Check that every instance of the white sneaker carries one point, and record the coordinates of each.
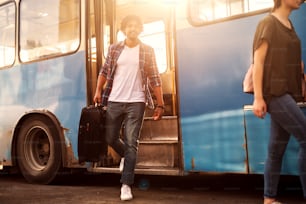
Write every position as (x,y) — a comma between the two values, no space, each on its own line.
(121,164)
(126,193)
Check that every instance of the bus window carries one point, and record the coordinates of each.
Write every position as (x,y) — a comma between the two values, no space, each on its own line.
(7,34)
(106,39)
(154,34)
(48,28)
(207,11)
(259,4)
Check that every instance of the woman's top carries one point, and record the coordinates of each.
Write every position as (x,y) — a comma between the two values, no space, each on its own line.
(282,68)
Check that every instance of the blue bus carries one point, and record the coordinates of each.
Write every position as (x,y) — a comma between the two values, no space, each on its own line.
(50,55)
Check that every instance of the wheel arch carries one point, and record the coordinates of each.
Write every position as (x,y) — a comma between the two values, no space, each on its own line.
(53,119)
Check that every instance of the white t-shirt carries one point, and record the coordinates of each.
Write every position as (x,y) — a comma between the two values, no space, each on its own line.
(127,84)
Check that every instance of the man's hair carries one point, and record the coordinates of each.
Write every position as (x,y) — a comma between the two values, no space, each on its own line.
(129,18)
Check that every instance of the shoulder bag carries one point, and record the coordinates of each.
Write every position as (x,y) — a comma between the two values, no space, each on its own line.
(248,81)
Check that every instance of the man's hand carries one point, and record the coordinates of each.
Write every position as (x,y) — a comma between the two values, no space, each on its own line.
(158,113)
(97,98)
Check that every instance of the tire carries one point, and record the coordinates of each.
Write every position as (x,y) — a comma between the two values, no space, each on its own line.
(39,150)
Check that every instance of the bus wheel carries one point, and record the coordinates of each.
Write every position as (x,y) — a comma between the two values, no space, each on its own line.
(39,150)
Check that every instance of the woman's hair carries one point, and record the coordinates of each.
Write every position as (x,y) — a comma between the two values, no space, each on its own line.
(129,18)
(277,4)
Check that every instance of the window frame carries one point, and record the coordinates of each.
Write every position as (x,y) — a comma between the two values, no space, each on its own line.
(55,54)
(14,34)
(195,23)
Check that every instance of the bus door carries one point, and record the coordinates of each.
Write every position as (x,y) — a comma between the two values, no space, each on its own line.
(159,146)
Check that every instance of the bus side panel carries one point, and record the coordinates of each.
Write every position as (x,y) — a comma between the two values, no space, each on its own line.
(214,142)
(57,85)
(298,19)
(257,132)
(9,113)
(72,98)
(212,61)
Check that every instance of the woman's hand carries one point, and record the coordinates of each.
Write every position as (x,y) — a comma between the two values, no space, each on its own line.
(259,108)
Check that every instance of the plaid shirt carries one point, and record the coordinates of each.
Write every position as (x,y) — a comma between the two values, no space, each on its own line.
(147,65)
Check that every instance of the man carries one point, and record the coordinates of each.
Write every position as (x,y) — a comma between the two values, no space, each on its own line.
(129,66)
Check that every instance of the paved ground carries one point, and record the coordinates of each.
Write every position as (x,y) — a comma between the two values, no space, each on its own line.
(104,189)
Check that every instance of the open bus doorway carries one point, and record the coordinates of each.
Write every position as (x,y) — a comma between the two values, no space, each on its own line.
(159,142)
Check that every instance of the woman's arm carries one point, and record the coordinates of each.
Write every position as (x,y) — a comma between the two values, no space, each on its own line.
(259,105)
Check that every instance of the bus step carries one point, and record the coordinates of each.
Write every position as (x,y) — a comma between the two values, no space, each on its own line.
(144,171)
(164,129)
(157,153)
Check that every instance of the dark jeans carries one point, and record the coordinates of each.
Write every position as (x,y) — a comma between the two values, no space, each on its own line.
(131,115)
(286,119)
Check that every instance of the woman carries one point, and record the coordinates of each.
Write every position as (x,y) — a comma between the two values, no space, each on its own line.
(277,89)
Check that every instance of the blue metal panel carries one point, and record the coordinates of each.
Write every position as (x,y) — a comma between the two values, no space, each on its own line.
(258,131)
(211,66)
(298,18)
(212,61)
(57,85)
(214,142)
